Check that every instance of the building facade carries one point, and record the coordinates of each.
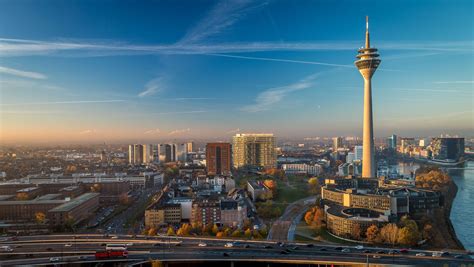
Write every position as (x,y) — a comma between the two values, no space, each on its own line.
(218,158)
(257,150)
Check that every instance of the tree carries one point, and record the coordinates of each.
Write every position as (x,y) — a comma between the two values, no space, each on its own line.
(271,184)
(372,233)
(409,235)
(170,231)
(236,233)
(356,233)
(389,233)
(318,218)
(151,231)
(314,187)
(220,234)
(308,217)
(96,188)
(248,233)
(427,232)
(40,217)
(215,229)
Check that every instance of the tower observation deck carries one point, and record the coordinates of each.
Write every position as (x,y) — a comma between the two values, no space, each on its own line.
(367,64)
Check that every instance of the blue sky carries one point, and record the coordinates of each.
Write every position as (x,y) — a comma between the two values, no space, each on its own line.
(159,70)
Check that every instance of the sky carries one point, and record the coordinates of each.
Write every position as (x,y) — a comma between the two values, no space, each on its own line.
(138,71)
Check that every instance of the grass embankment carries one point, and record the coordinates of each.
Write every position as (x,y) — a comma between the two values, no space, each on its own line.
(307,234)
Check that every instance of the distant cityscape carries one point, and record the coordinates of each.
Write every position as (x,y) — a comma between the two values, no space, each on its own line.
(249,198)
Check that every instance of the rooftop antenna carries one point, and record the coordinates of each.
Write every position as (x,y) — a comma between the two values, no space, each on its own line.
(367,39)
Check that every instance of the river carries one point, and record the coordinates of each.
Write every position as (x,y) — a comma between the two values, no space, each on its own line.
(462,211)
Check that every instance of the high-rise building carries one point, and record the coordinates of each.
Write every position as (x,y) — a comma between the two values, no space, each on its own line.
(135,154)
(367,64)
(166,153)
(449,149)
(190,147)
(182,152)
(392,142)
(350,157)
(147,153)
(336,143)
(358,152)
(218,158)
(254,150)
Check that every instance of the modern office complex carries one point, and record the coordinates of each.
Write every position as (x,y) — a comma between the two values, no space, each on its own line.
(218,158)
(449,149)
(256,150)
(367,64)
(336,143)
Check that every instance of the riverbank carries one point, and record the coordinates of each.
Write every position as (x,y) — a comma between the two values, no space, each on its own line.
(444,233)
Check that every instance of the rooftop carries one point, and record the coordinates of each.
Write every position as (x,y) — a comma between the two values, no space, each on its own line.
(75,202)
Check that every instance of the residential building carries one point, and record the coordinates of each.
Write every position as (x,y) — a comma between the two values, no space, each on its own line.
(257,150)
(303,168)
(336,143)
(206,211)
(218,158)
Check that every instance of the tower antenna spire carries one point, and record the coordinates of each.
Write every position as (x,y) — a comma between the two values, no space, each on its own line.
(367,38)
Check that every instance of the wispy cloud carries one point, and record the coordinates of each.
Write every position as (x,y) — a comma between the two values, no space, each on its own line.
(266,99)
(180,131)
(180,112)
(284,60)
(153,131)
(63,102)
(233,131)
(454,82)
(22,73)
(152,87)
(28,112)
(15,47)
(222,16)
(88,131)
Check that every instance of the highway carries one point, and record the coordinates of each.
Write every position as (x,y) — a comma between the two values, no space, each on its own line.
(38,250)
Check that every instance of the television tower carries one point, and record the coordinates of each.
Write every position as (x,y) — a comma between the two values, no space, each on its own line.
(367,64)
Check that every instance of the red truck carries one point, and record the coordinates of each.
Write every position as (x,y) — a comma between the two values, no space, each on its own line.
(111,254)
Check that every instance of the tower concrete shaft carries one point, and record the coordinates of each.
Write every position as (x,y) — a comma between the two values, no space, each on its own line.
(367,64)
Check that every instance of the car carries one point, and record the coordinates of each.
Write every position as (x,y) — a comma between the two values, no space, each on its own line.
(177,244)
(202,244)
(18,246)
(157,244)
(54,259)
(68,245)
(129,244)
(366,251)
(82,257)
(380,252)
(225,254)
(376,257)
(309,245)
(392,252)
(284,252)
(338,248)
(459,256)
(323,249)
(420,254)
(403,250)
(267,246)
(445,253)
(246,246)
(359,247)
(295,248)
(49,249)
(114,237)
(228,245)
(346,250)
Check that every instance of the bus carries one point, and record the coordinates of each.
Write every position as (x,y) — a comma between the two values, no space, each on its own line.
(116,247)
(99,255)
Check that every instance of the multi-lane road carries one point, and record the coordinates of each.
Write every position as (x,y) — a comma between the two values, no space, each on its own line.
(39,250)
